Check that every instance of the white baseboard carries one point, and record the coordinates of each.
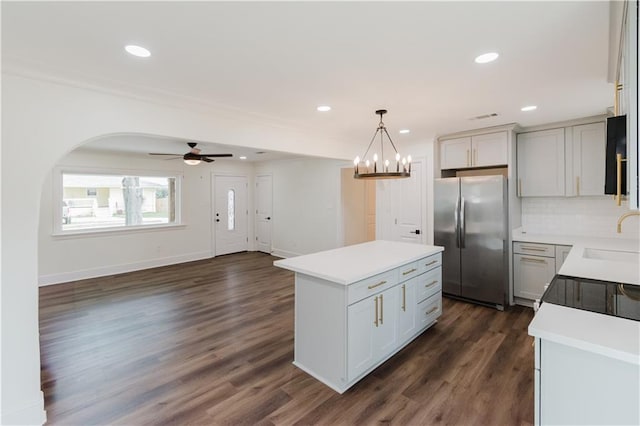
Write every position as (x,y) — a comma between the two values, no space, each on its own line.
(64,277)
(28,413)
(284,253)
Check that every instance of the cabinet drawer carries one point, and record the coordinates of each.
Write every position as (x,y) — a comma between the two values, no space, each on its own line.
(429,310)
(408,271)
(429,263)
(429,284)
(536,249)
(361,289)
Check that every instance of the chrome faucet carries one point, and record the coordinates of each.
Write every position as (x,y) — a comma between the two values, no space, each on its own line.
(624,216)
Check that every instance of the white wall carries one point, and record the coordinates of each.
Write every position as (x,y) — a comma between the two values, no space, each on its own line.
(42,121)
(72,257)
(306,204)
(589,216)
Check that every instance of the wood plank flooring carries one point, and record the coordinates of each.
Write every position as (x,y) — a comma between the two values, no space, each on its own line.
(211,342)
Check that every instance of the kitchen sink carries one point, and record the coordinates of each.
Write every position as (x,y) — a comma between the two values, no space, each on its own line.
(612,255)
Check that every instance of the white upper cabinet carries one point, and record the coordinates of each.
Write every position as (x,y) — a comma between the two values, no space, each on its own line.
(586,165)
(489,149)
(455,153)
(541,163)
(474,151)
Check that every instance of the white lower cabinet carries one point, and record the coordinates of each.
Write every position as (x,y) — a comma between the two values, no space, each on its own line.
(342,332)
(575,386)
(534,266)
(372,330)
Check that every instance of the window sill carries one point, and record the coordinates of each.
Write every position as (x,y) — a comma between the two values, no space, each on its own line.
(116,231)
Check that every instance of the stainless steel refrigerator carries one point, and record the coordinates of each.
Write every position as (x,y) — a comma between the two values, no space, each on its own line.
(471,222)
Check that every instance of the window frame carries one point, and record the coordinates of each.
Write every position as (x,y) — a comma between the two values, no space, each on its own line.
(58,192)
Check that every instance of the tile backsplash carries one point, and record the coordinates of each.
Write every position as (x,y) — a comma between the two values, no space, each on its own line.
(588,216)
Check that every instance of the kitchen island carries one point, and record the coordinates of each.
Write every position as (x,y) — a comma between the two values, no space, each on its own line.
(587,364)
(357,306)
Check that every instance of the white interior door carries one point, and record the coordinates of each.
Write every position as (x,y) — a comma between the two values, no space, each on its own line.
(230,214)
(399,211)
(264,207)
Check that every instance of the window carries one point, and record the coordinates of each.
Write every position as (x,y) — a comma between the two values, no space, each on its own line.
(105,201)
(231,210)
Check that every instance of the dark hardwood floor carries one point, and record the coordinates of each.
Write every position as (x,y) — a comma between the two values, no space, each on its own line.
(211,342)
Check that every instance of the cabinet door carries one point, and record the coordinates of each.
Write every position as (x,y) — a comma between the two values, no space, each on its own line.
(372,330)
(588,160)
(362,318)
(489,149)
(406,309)
(531,274)
(561,254)
(455,153)
(540,158)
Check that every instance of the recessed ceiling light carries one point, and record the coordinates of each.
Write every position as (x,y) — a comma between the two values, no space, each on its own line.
(242,157)
(486,57)
(137,51)
(324,108)
(404,131)
(529,108)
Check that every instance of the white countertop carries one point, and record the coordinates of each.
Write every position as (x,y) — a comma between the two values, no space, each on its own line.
(349,264)
(578,265)
(606,335)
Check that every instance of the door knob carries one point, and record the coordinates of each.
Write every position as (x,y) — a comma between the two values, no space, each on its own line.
(417,232)
(268,217)
(217,220)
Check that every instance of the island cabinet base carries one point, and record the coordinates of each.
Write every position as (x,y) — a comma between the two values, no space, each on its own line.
(343,332)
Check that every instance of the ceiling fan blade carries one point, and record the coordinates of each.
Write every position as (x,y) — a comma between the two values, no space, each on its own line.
(216,155)
(207,160)
(177,157)
(157,153)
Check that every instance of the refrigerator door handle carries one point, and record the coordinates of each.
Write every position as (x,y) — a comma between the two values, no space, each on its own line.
(462,226)
(456,219)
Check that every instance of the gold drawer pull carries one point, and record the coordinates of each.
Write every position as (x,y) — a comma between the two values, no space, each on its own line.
(409,271)
(431,263)
(530,259)
(532,248)
(377,285)
(431,284)
(432,310)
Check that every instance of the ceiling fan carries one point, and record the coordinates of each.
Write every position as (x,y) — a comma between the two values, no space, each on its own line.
(194,157)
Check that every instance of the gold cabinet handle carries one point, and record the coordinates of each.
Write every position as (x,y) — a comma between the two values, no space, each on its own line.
(578,186)
(432,310)
(519,187)
(377,285)
(404,298)
(619,161)
(409,271)
(375,321)
(532,248)
(431,284)
(431,263)
(531,259)
(474,162)
(468,158)
(381,310)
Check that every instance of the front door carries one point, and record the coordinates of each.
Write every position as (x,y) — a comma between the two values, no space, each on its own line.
(230,214)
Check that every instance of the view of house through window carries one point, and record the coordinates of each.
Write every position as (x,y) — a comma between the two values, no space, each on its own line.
(107,201)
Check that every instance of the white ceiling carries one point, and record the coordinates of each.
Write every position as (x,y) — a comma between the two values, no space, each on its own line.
(278,61)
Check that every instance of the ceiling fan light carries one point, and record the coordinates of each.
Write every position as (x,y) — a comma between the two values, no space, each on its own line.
(191,162)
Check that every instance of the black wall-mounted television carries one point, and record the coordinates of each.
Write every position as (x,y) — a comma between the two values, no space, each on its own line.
(616,144)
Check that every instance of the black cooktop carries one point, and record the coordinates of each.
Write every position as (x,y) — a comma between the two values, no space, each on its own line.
(604,297)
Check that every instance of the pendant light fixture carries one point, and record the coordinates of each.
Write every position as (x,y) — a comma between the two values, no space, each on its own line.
(391,167)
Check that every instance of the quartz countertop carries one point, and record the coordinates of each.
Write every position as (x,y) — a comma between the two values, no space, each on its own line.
(347,265)
(606,335)
(578,264)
